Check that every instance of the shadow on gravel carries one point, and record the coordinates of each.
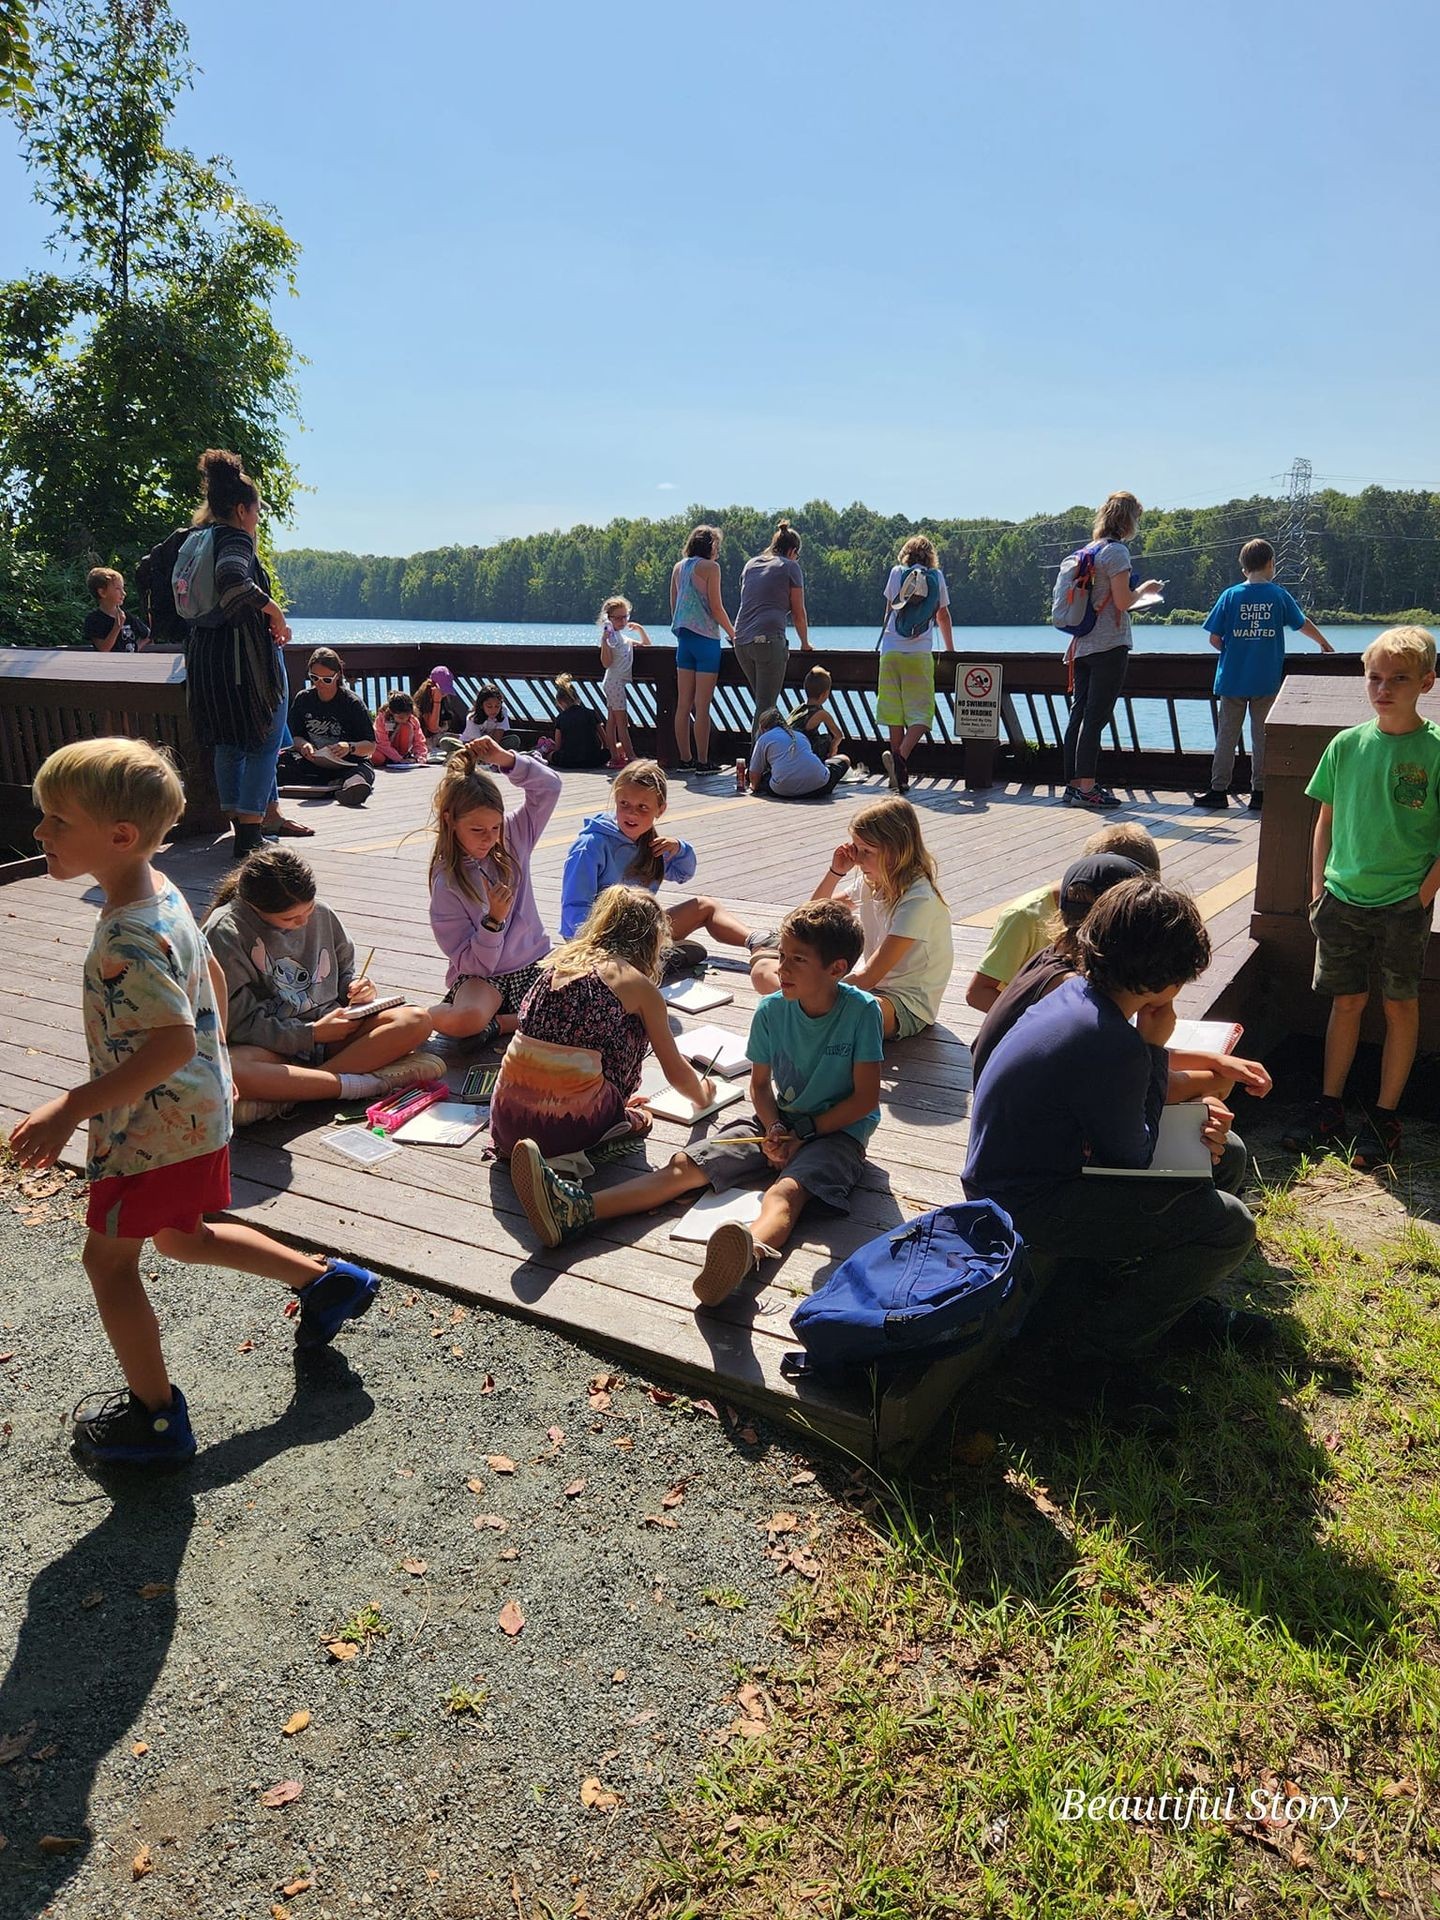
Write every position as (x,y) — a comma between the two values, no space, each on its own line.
(92,1645)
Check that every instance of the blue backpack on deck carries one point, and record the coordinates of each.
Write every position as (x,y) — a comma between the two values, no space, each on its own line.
(928,1290)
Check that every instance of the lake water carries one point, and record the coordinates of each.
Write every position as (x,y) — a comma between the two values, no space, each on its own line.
(452,635)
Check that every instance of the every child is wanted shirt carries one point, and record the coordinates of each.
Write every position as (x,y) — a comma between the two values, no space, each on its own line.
(1385,792)
(812,1057)
(147,968)
(1249,620)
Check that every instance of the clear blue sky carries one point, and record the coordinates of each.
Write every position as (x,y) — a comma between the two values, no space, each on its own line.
(572,261)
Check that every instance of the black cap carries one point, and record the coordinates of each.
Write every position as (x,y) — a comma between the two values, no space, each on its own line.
(1087,879)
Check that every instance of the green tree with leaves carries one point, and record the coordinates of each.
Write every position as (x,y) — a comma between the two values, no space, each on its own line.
(157,339)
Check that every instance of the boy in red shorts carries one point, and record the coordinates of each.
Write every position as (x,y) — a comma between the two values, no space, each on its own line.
(158,1100)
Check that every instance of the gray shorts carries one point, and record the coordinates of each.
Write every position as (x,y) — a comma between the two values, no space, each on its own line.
(1351,943)
(827,1167)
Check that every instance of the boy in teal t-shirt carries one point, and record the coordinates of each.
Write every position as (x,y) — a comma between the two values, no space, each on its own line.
(815,1050)
(1374,876)
(1247,625)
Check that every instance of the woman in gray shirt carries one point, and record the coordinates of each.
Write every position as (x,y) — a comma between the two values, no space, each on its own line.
(1101,656)
(772,595)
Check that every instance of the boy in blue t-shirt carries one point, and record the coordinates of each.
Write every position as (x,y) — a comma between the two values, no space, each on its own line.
(1247,624)
(815,1050)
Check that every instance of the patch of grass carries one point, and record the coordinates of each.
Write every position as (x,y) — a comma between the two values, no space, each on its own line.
(466,1700)
(363,1627)
(726,1598)
(1253,1606)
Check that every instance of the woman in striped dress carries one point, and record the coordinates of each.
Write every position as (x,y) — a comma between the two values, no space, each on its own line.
(234,670)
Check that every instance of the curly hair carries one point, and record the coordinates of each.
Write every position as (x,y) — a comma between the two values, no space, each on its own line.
(1142,937)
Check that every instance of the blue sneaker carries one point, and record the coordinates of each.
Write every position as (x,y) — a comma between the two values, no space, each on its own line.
(119,1431)
(342,1292)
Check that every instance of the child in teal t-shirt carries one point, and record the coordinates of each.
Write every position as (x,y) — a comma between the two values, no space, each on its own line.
(1375,870)
(1247,625)
(815,1050)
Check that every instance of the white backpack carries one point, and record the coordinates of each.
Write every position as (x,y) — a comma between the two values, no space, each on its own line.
(193,580)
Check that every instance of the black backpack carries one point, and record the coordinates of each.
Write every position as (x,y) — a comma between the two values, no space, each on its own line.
(157,596)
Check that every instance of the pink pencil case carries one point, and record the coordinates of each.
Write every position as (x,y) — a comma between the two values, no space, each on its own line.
(393,1111)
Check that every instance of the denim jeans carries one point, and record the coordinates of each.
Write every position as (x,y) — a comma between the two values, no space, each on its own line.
(1167,1243)
(245,776)
(1098,680)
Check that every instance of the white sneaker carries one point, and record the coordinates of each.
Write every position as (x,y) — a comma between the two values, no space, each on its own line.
(249,1113)
(413,1071)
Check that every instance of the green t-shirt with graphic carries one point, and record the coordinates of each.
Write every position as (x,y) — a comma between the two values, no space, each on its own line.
(1385,790)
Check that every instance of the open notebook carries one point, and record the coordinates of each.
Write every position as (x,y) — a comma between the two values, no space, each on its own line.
(713,1209)
(667,1104)
(1180,1153)
(1205,1036)
(694,996)
(711,1050)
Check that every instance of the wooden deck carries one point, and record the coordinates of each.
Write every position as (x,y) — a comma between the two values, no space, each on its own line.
(447,1219)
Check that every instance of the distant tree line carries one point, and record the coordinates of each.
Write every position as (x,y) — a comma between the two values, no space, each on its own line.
(1375,553)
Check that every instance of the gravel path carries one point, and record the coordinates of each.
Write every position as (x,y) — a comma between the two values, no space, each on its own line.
(159,1633)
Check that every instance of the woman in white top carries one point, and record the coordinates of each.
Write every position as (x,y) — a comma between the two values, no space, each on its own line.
(905,688)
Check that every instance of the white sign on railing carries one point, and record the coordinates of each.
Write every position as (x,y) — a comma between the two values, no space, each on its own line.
(977,700)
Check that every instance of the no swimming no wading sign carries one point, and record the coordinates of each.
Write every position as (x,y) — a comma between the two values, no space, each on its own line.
(977,700)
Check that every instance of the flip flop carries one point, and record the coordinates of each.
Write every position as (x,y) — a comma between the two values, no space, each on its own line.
(290,829)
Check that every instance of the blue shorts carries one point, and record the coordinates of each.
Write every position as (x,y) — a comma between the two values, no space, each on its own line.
(696,652)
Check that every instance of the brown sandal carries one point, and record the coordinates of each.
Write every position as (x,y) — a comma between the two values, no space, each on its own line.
(288,829)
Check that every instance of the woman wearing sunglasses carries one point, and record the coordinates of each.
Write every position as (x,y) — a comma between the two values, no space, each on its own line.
(333,734)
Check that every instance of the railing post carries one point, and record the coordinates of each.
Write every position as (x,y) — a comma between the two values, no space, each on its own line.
(667,698)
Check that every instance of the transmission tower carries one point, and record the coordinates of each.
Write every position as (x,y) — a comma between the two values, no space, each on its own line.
(1292,545)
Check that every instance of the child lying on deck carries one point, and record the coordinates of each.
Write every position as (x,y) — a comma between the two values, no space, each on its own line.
(816,1048)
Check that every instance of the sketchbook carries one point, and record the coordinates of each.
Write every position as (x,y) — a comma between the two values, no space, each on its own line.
(364,1011)
(693,996)
(713,1210)
(1180,1152)
(713,1050)
(449,1123)
(666,1104)
(1205,1036)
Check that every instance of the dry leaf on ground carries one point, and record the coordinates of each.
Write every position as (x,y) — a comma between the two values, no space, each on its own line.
(675,1497)
(594,1794)
(153,1589)
(12,1745)
(341,1649)
(141,1864)
(297,1723)
(499,1463)
(575,1486)
(281,1794)
(511,1620)
(779,1523)
(492,1521)
(475,1486)
(140,1748)
(417,1567)
(660,1520)
(59,1842)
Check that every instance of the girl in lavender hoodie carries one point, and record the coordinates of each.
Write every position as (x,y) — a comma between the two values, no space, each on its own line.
(482,907)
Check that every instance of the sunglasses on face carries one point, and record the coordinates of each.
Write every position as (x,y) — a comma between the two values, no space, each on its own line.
(324,679)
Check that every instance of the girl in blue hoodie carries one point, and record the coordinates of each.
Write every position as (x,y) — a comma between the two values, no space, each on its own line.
(623,849)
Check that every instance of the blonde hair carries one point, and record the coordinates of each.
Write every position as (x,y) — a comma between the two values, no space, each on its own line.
(1118,517)
(918,551)
(647,869)
(1415,644)
(893,826)
(98,578)
(623,924)
(608,607)
(114,781)
(464,789)
(565,694)
(1129,838)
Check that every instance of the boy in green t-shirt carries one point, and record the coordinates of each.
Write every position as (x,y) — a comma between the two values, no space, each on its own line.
(1374,877)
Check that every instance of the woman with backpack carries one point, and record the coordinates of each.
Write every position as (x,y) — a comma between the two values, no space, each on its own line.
(917,601)
(234,671)
(1099,657)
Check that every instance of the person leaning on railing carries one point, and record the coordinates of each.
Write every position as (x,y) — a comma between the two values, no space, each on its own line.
(772,596)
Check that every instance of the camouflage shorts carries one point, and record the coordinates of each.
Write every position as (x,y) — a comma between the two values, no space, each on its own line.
(1352,943)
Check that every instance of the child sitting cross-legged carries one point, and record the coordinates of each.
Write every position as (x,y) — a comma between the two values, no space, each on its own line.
(290,971)
(157,1097)
(816,1048)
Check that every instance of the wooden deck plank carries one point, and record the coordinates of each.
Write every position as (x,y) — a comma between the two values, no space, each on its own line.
(450,1220)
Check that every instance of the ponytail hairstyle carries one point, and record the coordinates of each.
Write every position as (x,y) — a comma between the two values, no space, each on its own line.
(1118,518)
(623,924)
(565,694)
(465,789)
(423,692)
(271,880)
(785,541)
(617,603)
(400,705)
(224,486)
(703,543)
(487,691)
(328,658)
(647,869)
(771,717)
(894,827)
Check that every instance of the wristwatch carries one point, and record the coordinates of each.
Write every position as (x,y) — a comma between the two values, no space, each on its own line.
(803,1125)
(492,925)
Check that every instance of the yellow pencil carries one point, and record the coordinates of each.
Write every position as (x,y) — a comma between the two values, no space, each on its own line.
(366,968)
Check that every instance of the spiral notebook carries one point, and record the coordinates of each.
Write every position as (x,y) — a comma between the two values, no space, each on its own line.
(1180,1152)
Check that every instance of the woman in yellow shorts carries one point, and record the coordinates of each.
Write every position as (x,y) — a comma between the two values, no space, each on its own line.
(905,696)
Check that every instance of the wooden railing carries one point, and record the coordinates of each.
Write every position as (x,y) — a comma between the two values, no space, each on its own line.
(1161,736)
